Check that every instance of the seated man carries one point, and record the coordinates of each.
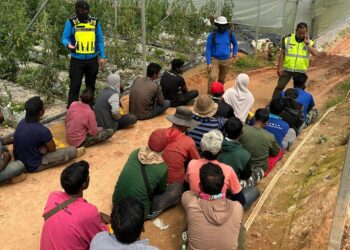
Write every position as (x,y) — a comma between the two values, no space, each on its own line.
(70,221)
(81,126)
(181,148)
(224,110)
(293,111)
(146,99)
(305,98)
(236,156)
(9,170)
(285,136)
(127,223)
(261,144)
(211,147)
(174,86)
(33,143)
(214,222)
(204,110)
(144,176)
(107,106)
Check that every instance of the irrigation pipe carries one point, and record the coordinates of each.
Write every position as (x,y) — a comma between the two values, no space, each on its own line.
(268,189)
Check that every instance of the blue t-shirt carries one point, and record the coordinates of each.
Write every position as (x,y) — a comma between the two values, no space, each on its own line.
(306,100)
(28,138)
(277,127)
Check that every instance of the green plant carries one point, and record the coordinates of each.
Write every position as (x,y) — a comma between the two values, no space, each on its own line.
(341,92)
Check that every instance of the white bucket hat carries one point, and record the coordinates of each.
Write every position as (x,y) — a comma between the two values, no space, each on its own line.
(221,20)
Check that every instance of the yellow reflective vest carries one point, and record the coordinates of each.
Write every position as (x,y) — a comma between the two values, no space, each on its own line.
(296,55)
(85,36)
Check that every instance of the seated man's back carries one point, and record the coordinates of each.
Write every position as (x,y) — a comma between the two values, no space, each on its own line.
(214,222)
(259,143)
(72,227)
(28,138)
(142,98)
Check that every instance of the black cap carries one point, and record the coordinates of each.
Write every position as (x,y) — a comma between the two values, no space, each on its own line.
(82,5)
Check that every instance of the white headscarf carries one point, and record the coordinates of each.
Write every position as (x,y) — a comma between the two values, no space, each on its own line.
(113,81)
(239,97)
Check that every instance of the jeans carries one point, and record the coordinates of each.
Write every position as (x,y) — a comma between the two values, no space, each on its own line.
(183,99)
(126,121)
(13,168)
(169,198)
(77,69)
(53,159)
(160,109)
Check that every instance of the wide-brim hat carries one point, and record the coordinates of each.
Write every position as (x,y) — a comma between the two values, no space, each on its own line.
(204,106)
(221,20)
(182,117)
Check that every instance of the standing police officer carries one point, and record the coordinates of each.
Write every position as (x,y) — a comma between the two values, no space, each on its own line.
(83,36)
(294,57)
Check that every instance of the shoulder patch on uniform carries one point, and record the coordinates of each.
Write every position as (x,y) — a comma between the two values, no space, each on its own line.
(73,17)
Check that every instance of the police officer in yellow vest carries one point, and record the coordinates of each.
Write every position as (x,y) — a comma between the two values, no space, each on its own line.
(83,36)
(294,57)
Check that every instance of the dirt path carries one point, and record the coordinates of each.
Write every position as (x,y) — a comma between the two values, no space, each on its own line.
(21,205)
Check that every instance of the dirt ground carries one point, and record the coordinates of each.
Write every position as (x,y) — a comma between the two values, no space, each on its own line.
(291,219)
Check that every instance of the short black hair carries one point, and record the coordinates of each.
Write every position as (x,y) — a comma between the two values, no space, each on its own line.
(176,64)
(233,127)
(212,178)
(82,5)
(291,93)
(301,25)
(299,80)
(87,96)
(276,106)
(262,115)
(209,155)
(127,219)
(152,69)
(74,176)
(33,106)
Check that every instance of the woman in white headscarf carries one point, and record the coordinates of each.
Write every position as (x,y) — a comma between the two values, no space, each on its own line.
(239,97)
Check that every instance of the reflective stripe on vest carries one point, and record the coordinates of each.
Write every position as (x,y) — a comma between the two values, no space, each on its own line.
(85,36)
(297,55)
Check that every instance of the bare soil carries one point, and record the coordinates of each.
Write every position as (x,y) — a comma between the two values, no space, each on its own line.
(297,214)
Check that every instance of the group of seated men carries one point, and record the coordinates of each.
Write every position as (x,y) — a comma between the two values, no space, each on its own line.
(211,159)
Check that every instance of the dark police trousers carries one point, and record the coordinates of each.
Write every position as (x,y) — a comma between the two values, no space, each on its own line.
(77,69)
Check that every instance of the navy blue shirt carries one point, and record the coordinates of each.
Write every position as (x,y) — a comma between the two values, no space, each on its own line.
(28,138)
(277,127)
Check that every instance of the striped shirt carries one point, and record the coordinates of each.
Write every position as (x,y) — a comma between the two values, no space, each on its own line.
(206,124)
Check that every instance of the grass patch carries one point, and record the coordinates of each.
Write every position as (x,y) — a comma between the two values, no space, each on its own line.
(341,91)
(246,63)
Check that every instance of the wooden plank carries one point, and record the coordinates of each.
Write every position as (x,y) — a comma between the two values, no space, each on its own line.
(341,207)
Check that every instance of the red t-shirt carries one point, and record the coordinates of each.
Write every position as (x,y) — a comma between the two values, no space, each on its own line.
(72,227)
(192,176)
(179,149)
(80,121)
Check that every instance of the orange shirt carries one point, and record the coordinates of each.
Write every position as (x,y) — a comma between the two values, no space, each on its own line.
(192,176)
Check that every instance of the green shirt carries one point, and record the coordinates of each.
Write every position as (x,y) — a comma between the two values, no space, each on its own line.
(131,183)
(234,155)
(260,144)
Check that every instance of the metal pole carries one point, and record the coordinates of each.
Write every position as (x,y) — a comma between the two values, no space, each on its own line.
(218,8)
(37,15)
(116,14)
(257,30)
(143,18)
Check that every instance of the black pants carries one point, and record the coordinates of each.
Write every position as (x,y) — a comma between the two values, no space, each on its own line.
(184,98)
(77,69)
